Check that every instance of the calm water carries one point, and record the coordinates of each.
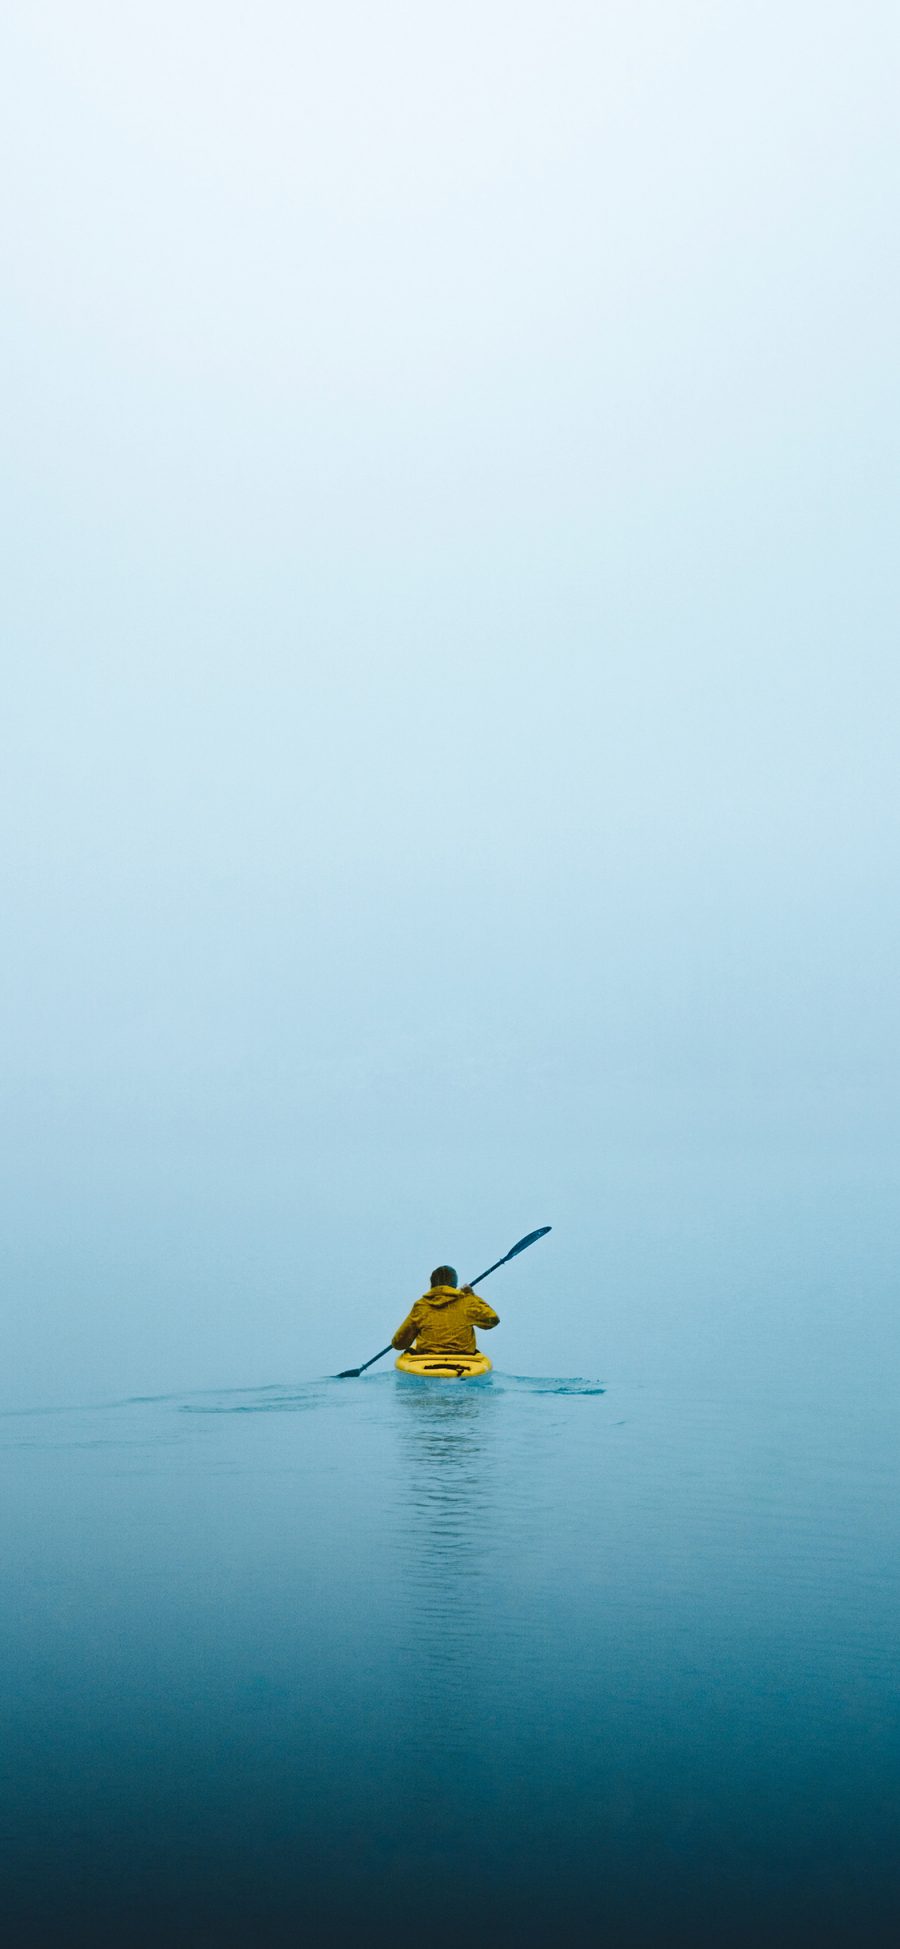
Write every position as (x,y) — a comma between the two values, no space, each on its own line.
(520,1662)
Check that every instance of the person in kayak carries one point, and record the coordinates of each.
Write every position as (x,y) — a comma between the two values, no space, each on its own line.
(444,1319)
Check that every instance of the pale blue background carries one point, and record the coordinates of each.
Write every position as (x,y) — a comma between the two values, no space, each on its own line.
(449,729)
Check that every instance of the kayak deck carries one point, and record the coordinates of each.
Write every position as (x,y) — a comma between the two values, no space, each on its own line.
(444,1366)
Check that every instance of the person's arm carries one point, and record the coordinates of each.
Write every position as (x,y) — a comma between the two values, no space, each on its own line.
(406,1333)
(480,1313)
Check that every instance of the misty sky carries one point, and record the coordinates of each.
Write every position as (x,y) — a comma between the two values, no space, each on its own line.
(449,737)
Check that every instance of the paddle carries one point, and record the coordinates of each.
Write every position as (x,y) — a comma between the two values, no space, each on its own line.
(353,1373)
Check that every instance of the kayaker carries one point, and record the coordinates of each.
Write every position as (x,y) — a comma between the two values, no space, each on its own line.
(443,1320)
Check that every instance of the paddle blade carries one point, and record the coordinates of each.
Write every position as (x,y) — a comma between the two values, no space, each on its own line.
(353,1373)
(541,1232)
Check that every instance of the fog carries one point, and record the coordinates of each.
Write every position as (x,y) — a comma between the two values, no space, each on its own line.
(450,703)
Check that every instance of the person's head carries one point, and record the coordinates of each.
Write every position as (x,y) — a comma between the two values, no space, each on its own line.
(444,1275)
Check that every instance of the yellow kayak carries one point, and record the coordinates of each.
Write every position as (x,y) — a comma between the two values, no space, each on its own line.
(444,1366)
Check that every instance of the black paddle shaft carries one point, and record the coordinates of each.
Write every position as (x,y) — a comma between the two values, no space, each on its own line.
(353,1373)
(523,1243)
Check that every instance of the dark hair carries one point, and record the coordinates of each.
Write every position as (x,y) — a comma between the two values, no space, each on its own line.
(444,1275)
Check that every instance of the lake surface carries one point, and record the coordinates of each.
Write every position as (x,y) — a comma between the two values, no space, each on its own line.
(515,1662)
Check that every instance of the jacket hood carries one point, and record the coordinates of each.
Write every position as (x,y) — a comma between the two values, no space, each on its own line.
(441,1295)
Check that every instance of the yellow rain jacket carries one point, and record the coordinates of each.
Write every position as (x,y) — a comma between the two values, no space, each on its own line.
(442,1321)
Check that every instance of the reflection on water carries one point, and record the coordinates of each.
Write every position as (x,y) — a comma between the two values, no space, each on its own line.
(447,1462)
(517,1660)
